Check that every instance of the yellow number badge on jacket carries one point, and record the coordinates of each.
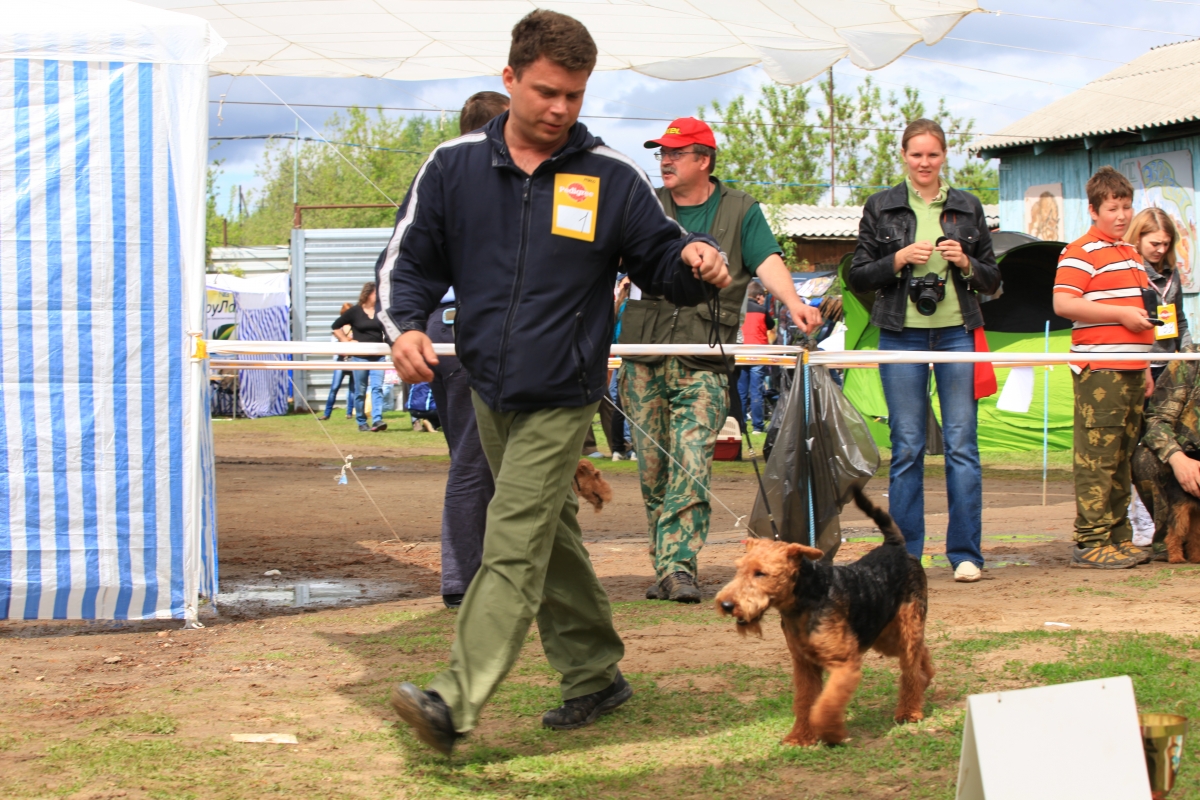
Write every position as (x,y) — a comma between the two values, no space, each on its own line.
(576,199)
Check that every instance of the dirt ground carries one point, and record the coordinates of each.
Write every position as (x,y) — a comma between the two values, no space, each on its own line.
(280,508)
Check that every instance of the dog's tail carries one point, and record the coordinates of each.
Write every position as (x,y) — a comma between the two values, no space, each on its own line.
(891,533)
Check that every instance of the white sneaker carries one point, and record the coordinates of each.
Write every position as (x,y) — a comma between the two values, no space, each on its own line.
(966,572)
(616,456)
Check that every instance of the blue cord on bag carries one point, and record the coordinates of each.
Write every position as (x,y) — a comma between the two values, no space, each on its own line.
(812,523)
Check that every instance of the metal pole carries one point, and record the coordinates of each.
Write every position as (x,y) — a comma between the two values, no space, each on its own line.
(832,146)
(296,166)
(1045,416)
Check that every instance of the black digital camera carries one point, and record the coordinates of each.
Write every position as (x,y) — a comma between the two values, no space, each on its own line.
(926,293)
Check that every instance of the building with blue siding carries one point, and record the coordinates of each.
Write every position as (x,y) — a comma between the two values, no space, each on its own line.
(1142,118)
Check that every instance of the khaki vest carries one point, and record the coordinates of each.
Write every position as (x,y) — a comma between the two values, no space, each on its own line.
(655,320)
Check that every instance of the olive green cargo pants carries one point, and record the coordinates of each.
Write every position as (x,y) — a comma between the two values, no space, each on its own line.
(534,564)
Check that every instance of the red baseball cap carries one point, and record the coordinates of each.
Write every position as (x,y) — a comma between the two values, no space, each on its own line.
(685,131)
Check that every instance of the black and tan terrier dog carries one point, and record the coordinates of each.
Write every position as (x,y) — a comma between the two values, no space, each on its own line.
(1183,528)
(831,616)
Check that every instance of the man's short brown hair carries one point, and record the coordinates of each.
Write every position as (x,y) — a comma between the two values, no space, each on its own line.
(1107,184)
(547,34)
(479,110)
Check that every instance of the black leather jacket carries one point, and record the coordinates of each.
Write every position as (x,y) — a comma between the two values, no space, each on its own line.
(888,225)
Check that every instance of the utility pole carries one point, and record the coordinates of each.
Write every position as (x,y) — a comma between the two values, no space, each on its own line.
(296,165)
(832,146)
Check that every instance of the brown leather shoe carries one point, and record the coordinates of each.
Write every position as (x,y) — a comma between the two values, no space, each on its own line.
(427,714)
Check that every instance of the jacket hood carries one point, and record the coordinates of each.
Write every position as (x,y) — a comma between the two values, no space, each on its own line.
(579,139)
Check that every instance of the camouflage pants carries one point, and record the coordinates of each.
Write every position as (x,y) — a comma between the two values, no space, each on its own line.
(1150,478)
(681,409)
(1108,423)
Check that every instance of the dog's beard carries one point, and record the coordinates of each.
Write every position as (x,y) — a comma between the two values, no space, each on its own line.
(745,628)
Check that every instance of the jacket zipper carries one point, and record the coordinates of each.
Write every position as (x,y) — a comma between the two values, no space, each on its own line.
(517,285)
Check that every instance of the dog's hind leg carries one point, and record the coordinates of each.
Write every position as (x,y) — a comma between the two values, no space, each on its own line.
(1177,531)
(806,686)
(828,717)
(1191,541)
(916,667)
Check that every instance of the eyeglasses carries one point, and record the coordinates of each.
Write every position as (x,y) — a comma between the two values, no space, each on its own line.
(669,154)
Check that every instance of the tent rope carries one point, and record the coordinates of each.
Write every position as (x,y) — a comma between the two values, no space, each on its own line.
(347,466)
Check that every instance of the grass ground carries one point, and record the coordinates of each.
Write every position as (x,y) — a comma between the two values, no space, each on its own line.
(690,732)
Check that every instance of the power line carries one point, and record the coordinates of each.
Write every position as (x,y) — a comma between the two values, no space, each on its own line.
(601,116)
(294,137)
(1032,50)
(1097,24)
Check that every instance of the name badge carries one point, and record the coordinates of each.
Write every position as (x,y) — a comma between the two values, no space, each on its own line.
(576,200)
(1170,327)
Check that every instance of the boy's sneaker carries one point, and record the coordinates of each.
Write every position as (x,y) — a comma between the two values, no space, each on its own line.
(1140,555)
(580,711)
(1158,552)
(1103,556)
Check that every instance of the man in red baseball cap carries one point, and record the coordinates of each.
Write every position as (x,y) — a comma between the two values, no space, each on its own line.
(682,402)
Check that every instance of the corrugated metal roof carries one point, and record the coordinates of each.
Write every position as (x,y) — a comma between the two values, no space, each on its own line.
(1155,89)
(833,222)
(260,258)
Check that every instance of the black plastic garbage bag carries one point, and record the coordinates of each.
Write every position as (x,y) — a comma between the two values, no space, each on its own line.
(841,451)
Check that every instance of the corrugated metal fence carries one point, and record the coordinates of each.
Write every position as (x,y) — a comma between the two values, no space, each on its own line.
(329,268)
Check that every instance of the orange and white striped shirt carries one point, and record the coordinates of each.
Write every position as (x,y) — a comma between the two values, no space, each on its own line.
(1109,271)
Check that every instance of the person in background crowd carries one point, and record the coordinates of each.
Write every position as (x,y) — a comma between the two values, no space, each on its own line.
(422,407)
(1099,286)
(340,375)
(617,430)
(923,240)
(532,214)
(469,486)
(365,328)
(679,403)
(1154,235)
(755,327)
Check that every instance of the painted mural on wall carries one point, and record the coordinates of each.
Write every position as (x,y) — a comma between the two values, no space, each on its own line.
(1044,212)
(1165,181)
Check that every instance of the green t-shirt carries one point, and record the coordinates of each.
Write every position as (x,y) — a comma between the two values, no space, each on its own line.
(757,240)
(929,228)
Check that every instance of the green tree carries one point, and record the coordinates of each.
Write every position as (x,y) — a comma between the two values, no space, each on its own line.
(779,149)
(770,150)
(386,152)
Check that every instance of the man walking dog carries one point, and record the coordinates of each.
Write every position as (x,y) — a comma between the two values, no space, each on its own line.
(679,403)
(529,219)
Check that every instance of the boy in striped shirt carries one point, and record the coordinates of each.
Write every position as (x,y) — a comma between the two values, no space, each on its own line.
(1099,286)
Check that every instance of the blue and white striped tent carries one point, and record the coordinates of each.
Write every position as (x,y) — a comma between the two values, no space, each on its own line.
(106,466)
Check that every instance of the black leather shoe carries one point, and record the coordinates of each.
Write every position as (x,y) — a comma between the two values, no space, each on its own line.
(652,592)
(427,714)
(680,587)
(452,600)
(579,712)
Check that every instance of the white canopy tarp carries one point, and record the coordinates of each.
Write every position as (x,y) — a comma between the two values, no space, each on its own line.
(793,40)
(106,484)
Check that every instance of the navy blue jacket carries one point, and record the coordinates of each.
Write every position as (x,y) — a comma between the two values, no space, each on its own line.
(535,308)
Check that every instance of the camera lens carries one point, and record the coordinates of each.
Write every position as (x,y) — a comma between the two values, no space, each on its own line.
(926,305)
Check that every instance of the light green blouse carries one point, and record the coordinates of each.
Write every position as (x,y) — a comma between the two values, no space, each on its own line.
(929,228)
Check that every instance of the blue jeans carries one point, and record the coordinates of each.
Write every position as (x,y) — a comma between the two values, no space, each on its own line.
(906,387)
(363,380)
(335,386)
(750,389)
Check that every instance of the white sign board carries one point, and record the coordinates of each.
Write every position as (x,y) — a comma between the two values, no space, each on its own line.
(1074,741)
(1165,181)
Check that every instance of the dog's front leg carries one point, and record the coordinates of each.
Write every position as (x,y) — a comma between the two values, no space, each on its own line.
(806,686)
(828,717)
(1177,530)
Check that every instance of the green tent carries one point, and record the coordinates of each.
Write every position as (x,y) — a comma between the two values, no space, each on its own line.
(1015,321)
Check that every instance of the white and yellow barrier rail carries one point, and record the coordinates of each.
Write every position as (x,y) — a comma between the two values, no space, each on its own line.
(220,353)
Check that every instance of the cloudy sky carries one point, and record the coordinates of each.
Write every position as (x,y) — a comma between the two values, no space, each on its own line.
(994,68)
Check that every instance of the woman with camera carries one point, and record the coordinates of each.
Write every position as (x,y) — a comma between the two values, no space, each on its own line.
(925,251)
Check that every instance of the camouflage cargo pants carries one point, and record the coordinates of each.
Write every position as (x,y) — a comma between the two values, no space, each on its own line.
(1150,478)
(681,409)
(1108,423)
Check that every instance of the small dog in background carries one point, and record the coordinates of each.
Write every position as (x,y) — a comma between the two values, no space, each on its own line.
(590,485)
(831,616)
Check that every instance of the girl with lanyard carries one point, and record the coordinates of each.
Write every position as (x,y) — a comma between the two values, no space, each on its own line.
(925,251)
(1154,235)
